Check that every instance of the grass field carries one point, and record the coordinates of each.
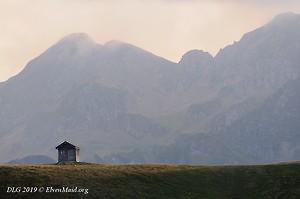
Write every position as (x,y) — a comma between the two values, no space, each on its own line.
(154,181)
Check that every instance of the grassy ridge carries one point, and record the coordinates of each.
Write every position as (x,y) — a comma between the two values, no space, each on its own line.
(156,181)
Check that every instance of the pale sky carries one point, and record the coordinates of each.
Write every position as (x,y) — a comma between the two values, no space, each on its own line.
(168,28)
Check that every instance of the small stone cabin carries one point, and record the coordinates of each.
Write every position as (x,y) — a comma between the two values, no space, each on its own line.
(68,152)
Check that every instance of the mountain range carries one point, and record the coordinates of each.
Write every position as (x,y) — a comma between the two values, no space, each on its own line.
(122,104)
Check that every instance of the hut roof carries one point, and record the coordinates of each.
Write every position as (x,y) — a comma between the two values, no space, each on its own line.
(67,145)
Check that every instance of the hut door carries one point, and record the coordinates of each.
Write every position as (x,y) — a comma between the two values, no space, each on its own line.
(71,155)
(63,155)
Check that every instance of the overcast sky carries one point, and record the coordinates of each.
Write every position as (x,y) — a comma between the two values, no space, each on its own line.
(167,28)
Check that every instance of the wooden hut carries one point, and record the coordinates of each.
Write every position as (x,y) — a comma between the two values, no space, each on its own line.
(68,152)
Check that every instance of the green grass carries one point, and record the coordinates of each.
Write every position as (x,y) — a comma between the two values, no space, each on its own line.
(156,181)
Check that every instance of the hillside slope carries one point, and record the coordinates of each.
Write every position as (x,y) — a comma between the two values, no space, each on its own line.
(156,181)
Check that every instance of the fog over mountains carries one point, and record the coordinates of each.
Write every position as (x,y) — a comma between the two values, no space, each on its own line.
(122,104)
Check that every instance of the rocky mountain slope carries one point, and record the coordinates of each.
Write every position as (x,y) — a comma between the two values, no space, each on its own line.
(119,99)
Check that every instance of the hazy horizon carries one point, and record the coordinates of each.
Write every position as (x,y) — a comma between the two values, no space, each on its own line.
(167,28)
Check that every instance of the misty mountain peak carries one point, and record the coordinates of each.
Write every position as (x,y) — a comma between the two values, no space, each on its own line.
(71,48)
(285,19)
(80,41)
(74,44)
(286,16)
(196,58)
(77,38)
